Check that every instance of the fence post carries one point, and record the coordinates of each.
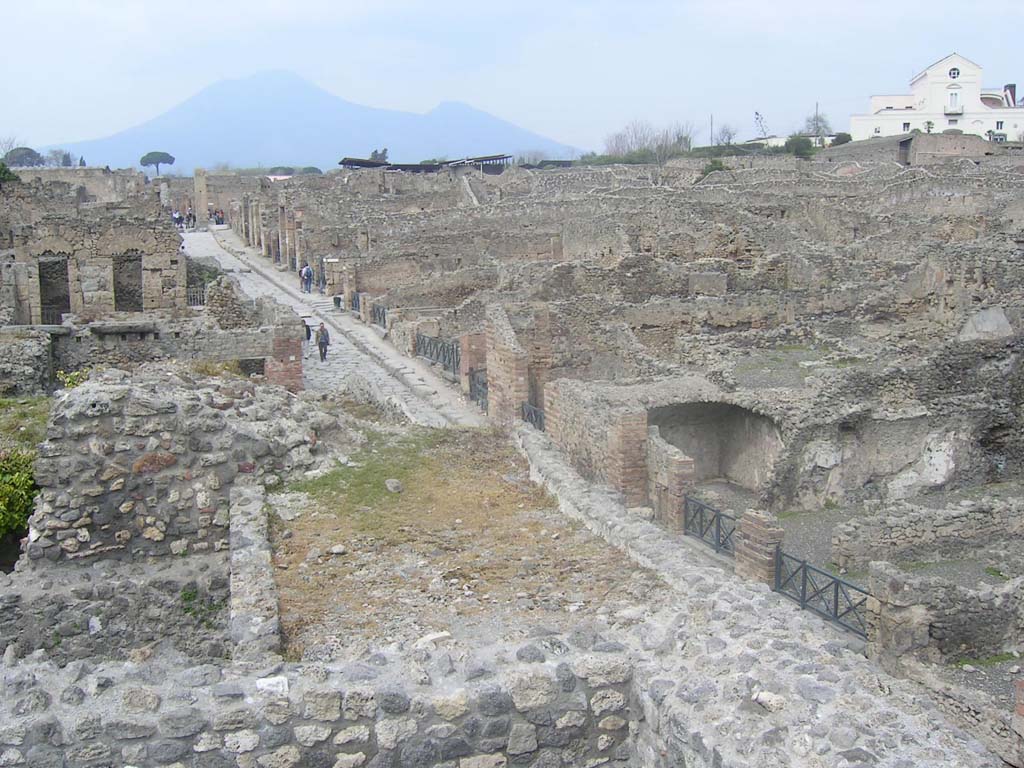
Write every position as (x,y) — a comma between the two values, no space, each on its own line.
(803,583)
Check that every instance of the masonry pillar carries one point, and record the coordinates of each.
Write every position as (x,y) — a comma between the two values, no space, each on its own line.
(473,348)
(508,376)
(758,535)
(669,473)
(627,457)
(284,365)
(202,198)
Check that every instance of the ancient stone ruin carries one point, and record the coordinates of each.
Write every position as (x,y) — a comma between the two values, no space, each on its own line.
(750,494)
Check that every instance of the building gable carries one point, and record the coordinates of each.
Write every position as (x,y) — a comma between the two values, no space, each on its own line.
(942,67)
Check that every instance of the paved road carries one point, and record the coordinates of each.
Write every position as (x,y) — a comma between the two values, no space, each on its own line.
(409,384)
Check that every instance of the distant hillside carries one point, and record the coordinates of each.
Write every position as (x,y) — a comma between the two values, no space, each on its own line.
(276,118)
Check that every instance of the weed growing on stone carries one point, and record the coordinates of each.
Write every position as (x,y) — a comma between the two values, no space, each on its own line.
(23,421)
(203,611)
(226,369)
(995,573)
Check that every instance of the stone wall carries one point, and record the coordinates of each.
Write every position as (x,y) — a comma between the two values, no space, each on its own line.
(938,620)
(907,531)
(558,705)
(99,185)
(26,363)
(84,612)
(153,455)
(69,252)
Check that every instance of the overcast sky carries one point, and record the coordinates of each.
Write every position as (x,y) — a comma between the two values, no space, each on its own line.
(573,70)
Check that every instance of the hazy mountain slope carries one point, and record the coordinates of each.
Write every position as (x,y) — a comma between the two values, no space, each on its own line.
(276,118)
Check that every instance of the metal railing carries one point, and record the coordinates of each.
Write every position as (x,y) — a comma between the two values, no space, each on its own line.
(52,315)
(447,353)
(379,315)
(478,387)
(819,591)
(355,301)
(534,416)
(196,297)
(706,523)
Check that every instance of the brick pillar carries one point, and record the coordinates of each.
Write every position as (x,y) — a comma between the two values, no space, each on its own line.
(669,473)
(202,198)
(553,414)
(473,348)
(627,457)
(284,366)
(757,536)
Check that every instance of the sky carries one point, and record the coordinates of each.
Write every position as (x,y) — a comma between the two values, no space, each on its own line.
(572,70)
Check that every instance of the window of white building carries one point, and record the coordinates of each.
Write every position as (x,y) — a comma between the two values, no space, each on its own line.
(906,127)
(954,73)
(952,122)
(954,99)
(999,125)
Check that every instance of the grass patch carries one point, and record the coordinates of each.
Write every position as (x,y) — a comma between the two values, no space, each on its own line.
(987,661)
(995,573)
(358,492)
(23,421)
(225,368)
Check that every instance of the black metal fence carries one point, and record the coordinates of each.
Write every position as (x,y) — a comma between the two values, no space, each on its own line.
(196,296)
(812,588)
(819,591)
(379,315)
(355,301)
(534,416)
(51,315)
(447,353)
(714,528)
(478,387)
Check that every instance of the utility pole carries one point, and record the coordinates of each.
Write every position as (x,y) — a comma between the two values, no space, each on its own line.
(817,125)
(711,138)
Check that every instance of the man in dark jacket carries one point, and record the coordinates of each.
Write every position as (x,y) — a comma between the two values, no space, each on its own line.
(323,341)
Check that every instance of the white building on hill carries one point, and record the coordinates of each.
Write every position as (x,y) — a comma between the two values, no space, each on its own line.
(947,95)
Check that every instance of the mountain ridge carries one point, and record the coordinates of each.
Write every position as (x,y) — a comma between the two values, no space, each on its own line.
(276,117)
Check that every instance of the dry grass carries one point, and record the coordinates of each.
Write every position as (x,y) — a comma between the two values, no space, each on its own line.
(468,537)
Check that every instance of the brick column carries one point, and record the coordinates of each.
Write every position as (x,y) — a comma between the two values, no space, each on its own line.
(473,348)
(284,366)
(757,536)
(627,457)
(669,473)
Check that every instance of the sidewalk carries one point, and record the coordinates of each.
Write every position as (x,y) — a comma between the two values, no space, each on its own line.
(425,396)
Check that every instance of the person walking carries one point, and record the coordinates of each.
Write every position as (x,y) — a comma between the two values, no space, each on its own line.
(307,335)
(323,341)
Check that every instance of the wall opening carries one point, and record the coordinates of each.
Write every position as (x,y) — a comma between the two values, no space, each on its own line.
(128,282)
(726,442)
(54,287)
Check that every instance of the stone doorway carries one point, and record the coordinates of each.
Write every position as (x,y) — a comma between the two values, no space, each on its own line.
(54,287)
(128,282)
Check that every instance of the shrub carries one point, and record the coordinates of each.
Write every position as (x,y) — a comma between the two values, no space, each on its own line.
(72,379)
(800,146)
(842,138)
(711,167)
(18,490)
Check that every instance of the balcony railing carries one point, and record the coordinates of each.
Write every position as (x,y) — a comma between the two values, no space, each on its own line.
(951,110)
